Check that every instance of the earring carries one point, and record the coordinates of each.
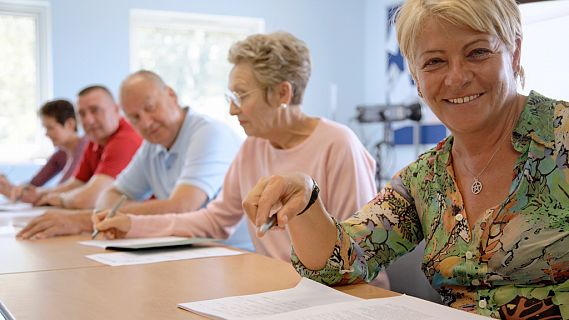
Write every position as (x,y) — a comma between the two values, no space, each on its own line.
(284,105)
(419,92)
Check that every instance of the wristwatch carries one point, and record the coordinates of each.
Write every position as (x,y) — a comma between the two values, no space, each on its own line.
(313,197)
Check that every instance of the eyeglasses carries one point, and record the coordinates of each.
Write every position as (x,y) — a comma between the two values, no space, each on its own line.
(236,98)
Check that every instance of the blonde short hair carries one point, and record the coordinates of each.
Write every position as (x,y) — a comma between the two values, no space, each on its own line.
(500,18)
(276,57)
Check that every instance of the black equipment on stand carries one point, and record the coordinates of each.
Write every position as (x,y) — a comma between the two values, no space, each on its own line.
(386,114)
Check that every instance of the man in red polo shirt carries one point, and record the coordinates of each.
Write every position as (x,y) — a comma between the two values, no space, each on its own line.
(112,144)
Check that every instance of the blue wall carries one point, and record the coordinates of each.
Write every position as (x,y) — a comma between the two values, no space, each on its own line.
(91,42)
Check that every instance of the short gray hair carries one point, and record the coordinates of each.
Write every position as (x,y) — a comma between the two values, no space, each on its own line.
(275,57)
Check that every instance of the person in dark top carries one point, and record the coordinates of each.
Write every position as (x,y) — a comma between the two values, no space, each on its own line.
(60,123)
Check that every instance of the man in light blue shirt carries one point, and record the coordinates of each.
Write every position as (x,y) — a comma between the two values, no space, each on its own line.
(180,165)
(183,159)
(199,157)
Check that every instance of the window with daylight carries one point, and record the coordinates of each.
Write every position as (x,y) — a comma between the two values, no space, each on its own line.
(189,51)
(24,79)
(545,47)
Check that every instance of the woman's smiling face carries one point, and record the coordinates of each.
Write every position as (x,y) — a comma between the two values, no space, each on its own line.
(465,76)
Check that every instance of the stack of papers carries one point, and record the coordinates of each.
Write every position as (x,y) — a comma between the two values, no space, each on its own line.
(152,250)
(144,257)
(145,243)
(307,293)
(310,300)
(395,308)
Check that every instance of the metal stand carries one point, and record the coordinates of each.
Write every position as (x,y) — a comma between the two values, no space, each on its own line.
(387,114)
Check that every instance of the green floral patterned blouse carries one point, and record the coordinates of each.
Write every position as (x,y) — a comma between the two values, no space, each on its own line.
(514,263)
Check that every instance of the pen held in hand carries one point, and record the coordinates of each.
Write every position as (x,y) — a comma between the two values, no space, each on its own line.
(111,214)
(272,220)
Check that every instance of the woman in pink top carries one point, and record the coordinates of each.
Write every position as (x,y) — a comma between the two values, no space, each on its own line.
(267,86)
(58,119)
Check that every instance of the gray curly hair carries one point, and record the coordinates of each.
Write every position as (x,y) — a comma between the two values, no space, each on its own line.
(275,57)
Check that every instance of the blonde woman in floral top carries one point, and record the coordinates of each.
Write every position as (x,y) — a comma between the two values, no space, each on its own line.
(491,201)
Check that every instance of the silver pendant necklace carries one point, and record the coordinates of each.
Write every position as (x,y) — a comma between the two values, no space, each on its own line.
(477,185)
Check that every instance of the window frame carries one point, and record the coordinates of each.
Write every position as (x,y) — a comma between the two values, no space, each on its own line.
(41,12)
(186,20)
(535,14)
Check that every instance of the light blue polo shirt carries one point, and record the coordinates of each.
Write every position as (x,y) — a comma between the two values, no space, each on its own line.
(200,156)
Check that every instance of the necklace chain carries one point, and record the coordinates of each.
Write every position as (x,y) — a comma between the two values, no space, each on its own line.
(477,186)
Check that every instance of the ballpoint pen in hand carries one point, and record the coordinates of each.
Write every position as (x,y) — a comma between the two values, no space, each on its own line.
(111,214)
(272,220)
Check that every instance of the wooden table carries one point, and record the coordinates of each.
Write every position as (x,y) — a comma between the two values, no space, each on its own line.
(39,255)
(149,291)
(44,255)
(52,279)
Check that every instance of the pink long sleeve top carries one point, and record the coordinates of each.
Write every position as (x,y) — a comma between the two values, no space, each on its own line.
(332,155)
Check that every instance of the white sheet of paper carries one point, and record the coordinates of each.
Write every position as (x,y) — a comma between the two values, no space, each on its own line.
(15,206)
(24,213)
(396,308)
(127,242)
(143,257)
(9,231)
(11,222)
(306,293)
